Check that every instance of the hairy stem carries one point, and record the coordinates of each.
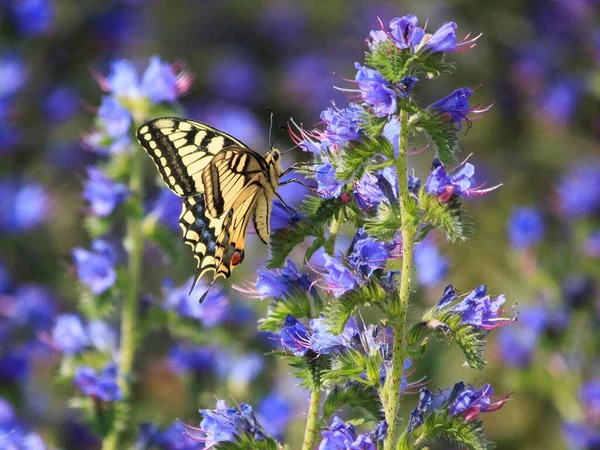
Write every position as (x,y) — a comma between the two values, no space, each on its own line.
(391,392)
(333,232)
(310,433)
(135,246)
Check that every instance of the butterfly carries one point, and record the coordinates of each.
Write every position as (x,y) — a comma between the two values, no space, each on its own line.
(223,182)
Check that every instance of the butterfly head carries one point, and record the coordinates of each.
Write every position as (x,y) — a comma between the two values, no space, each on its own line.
(273,159)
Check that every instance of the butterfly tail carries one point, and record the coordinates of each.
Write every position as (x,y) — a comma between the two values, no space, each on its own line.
(207,291)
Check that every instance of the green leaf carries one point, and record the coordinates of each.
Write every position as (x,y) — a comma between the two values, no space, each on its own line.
(340,309)
(441,134)
(359,398)
(310,368)
(321,212)
(386,223)
(283,241)
(448,217)
(350,164)
(356,366)
(246,441)
(298,303)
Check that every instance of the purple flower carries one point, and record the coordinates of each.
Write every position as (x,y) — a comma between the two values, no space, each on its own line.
(159,82)
(211,312)
(590,398)
(96,268)
(279,282)
(61,104)
(114,117)
(13,74)
(14,365)
(223,423)
(339,279)
(294,336)
(197,360)
(443,40)
(341,436)
(275,412)
(34,17)
(432,266)
(368,255)
(455,107)
(282,217)
(328,186)
(579,191)
(525,228)
(376,91)
(469,402)
(343,125)
(445,186)
(373,189)
(102,193)
(102,386)
(23,206)
(477,308)
(406,32)
(69,334)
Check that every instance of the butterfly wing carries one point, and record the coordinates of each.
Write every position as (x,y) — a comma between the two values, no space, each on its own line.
(262,216)
(182,149)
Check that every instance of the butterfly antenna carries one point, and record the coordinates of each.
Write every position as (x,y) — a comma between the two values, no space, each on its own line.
(271,125)
(283,131)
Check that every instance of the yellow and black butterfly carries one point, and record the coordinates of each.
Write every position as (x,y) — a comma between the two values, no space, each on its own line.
(223,183)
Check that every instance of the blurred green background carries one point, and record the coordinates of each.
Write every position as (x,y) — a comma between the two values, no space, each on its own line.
(537,62)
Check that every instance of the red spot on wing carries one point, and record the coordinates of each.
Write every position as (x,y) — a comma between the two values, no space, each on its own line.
(237,257)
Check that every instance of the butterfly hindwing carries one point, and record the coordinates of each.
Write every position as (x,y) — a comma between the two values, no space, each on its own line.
(181,149)
(262,217)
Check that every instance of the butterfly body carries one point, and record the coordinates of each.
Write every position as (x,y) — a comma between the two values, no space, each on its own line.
(224,183)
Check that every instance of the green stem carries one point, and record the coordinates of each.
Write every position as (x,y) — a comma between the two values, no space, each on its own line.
(333,232)
(310,433)
(135,246)
(391,392)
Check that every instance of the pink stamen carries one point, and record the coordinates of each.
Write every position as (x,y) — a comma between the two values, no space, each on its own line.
(416,152)
(100,79)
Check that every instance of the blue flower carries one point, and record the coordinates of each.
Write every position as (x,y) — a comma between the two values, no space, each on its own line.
(96,268)
(328,186)
(224,423)
(417,415)
(61,104)
(102,386)
(443,40)
(322,341)
(525,228)
(343,125)
(69,334)
(373,189)
(341,436)
(579,191)
(592,247)
(14,435)
(211,312)
(23,206)
(176,437)
(122,81)
(236,120)
(239,369)
(13,74)
(102,193)
(102,336)
(32,306)
(294,336)
(159,82)
(114,117)
(469,402)
(406,32)
(445,186)
(14,365)
(5,279)
(368,255)
(235,78)
(432,266)
(477,308)
(282,217)
(455,106)
(581,435)
(560,101)
(376,91)
(197,360)
(275,412)
(34,17)
(339,279)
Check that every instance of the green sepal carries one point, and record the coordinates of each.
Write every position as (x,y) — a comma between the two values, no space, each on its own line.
(441,134)
(298,303)
(340,309)
(283,241)
(310,368)
(358,398)
(354,365)
(351,161)
(246,441)
(386,223)
(448,217)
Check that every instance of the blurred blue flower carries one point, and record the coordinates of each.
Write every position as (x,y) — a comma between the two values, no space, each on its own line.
(122,81)
(589,395)
(166,208)
(13,434)
(102,386)
(14,365)
(5,278)
(235,78)
(102,336)
(560,100)
(13,74)
(579,191)
(591,248)
(328,187)
(432,266)
(578,290)
(391,131)
(375,91)
(525,228)
(61,103)
(159,81)
(23,206)
(175,437)
(294,336)
(341,436)
(199,361)
(114,117)
(236,120)
(102,192)
(69,334)
(33,306)
(211,312)
(306,80)
(275,412)
(339,279)
(343,125)
(241,369)
(96,268)
(34,17)
(581,436)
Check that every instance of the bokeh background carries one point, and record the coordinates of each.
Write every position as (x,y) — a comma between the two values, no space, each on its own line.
(537,62)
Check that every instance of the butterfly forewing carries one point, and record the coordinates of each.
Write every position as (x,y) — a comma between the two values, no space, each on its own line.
(181,149)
